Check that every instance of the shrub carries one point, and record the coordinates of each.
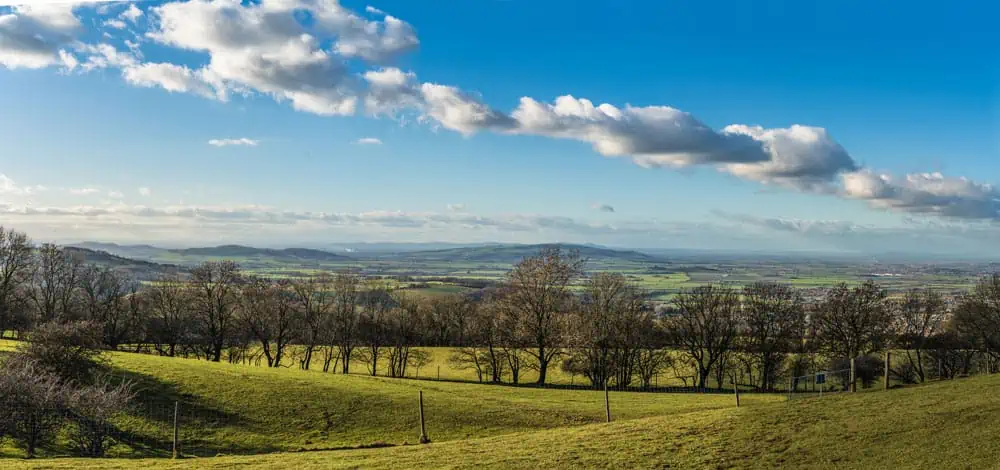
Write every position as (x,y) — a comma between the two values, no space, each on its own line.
(92,410)
(32,405)
(70,351)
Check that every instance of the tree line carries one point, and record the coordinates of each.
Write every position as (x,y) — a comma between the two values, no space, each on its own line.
(547,312)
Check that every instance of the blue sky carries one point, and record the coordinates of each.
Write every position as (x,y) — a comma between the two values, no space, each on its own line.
(878,124)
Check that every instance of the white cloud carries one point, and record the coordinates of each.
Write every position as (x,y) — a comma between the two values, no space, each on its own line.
(83,191)
(8,186)
(243,141)
(116,194)
(115,23)
(173,78)
(602,207)
(924,193)
(456,207)
(369,141)
(132,13)
(145,191)
(31,36)
(373,10)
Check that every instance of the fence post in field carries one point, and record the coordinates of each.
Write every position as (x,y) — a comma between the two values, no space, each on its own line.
(176,444)
(736,388)
(607,403)
(888,360)
(423,427)
(854,383)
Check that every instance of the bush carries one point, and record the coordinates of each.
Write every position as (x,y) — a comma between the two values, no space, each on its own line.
(70,351)
(32,405)
(92,410)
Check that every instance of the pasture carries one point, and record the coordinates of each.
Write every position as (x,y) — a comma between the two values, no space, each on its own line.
(950,424)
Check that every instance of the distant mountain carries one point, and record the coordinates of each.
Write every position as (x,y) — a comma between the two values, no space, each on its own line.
(237,252)
(514,253)
(140,269)
(146,252)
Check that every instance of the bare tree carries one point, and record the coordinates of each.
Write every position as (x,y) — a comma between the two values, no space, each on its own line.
(214,289)
(919,316)
(33,403)
(56,278)
(170,305)
(977,315)
(15,275)
(314,298)
(479,340)
(537,297)
(344,332)
(374,327)
(92,410)
(705,326)
(267,312)
(105,293)
(404,327)
(607,328)
(773,316)
(852,322)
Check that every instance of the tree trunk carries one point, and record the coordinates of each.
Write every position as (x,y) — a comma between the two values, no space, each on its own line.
(543,365)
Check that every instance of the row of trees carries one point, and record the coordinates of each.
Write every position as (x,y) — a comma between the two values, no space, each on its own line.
(546,312)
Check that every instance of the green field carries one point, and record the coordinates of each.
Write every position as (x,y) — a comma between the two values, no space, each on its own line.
(232,409)
(949,424)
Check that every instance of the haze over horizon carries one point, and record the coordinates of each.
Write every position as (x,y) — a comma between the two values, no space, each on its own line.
(847,128)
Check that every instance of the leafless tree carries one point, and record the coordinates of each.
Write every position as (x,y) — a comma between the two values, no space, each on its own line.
(105,293)
(56,279)
(606,330)
(314,298)
(479,348)
(919,316)
(977,315)
(267,312)
(15,275)
(374,328)
(170,305)
(404,327)
(344,331)
(853,322)
(537,297)
(214,291)
(32,405)
(705,325)
(93,409)
(773,316)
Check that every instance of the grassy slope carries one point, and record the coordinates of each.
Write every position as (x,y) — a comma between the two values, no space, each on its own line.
(242,409)
(946,425)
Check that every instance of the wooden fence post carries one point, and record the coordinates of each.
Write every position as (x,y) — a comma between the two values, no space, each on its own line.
(423,428)
(888,361)
(176,453)
(854,380)
(607,402)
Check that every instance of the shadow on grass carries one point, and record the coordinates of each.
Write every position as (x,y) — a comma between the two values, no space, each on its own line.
(148,429)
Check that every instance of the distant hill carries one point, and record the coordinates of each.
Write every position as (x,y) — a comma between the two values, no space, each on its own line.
(139,269)
(515,253)
(236,252)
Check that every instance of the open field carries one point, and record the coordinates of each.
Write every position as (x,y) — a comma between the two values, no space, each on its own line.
(943,425)
(234,409)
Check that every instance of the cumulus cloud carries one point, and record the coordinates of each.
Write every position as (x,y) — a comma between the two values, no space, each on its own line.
(173,78)
(924,193)
(143,191)
(8,186)
(230,142)
(602,207)
(369,141)
(455,207)
(115,23)
(31,36)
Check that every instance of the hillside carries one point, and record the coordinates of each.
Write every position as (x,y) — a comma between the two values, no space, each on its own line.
(237,252)
(944,425)
(507,254)
(140,269)
(247,410)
